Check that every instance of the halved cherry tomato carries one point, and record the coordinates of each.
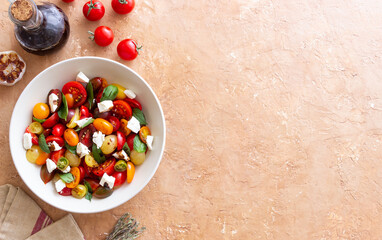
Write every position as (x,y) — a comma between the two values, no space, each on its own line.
(36,127)
(124,129)
(130,141)
(86,135)
(104,115)
(58,130)
(98,84)
(106,167)
(45,175)
(47,132)
(121,89)
(143,133)
(71,137)
(55,155)
(103,125)
(94,184)
(122,109)
(66,192)
(84,112)
(34,136)
(133,103)
(115,122)
(82,173)
(120,178)
(88,170)
(56,139)
(59,100)
(130,171)
(75,171)
(69,100)
(78,92)
(98,96)
(41,110)
(102,192)
(42,157)
(72,123)
(120,140)
(51,121)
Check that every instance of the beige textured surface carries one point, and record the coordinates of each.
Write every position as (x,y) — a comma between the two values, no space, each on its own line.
(274,116)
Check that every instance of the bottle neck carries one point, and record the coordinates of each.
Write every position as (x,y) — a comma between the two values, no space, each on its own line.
(24,13)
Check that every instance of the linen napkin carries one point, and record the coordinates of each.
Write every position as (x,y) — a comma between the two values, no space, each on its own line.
(21,218)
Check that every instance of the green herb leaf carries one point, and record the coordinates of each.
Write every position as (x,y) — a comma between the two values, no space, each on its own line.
(89,196)
(97,154)
(89,90)
(39,120)
(88,122)
(109,93)
(67,177)
(126,148)
(63,111)
(42,143)
(139,146)
(87,185)
(71,149)
(138,114)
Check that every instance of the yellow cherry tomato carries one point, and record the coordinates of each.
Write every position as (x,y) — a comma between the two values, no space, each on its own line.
(36,127)
(124,129)
(121,94)
(130,172)
(143,133)
(72,123)
(103,125)
(37,155)
(71,137)
(69,100)
(41,110)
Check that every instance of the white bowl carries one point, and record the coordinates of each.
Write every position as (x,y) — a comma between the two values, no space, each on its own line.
(55,77)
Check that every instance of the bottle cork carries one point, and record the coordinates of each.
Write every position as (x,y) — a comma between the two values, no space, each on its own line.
(22,10)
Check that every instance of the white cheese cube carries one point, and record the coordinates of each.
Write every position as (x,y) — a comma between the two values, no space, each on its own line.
(60,185)
(82,150)
(106,179)
(56,146)
(130,94)
(53,103)
(82,122)
(105,106)
(81,77)
(149,142)
(134,125)
(67,169)
(27,141)
(121,155)
(50,165)
(98,138)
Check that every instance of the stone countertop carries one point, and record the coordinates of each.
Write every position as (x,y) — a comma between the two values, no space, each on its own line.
(273,113)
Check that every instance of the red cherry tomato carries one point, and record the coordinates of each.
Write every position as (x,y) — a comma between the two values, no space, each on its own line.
(55,155)
(122,109)
(127,49)
(58,140)
(115,122)
(86,135)
(88,170)
(120,178)
(130,141)
(98,96)
(51,121)
(94,184)
(84,112)
(122,6)
(106,167)
(120,140)
(67,1)
(133,103)
(34,136)
(77,90)
(58,130)
(82,173)
(93,11)
(102,36)
(66,192)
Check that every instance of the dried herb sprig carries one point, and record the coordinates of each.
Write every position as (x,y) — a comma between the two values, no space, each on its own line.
(125,229)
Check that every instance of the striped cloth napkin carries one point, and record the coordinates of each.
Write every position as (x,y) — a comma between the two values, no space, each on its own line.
(22,219)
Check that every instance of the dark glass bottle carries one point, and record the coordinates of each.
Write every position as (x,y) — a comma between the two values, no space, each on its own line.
(39,29)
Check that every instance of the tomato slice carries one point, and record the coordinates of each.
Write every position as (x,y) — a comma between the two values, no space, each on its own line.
(34,136)
(75,171)
(58,140)
(45,175)
(122,109)
(120,178)
(55,155)
(115,122)
(94,184)
(133,103)
(130,141)
(120,140)
(66,192)
(51,121)
(84,112)
(86,135)
(77,90)
(82,173)
(106,167)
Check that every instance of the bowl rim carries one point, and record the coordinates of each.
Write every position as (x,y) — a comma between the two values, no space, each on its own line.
(112,205)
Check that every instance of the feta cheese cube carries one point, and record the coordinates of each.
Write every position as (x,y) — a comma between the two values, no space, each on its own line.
(82,150)
(53,102)
(67,169)
(121,155)
(55,146)
(134,125)
(81,77)
(27,141)
(98,138)
(105,106)
(82,122)
(130,94)
(149,142)
(50,165)
(107,180)
(60,185)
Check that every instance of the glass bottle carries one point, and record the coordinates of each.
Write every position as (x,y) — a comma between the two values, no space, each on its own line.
(39,29)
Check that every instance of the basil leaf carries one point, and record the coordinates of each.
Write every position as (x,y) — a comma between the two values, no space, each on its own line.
(89,90)
(88,196)
(109,93)
(63,111)
(67,177)
(39,120)
(42,143)
(97,154)
(139,146)
(126,148)
(87,185)
(71,149)
(138,114)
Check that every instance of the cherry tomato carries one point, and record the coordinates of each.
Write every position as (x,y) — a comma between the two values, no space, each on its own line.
(115,122)
(78,92)
(98,84)
(35,127)
(45,175)
(47,132)
(121,91)
(59,100)
(120,140)
(34,136)
(102,192)
(82,173)
(71,137)
(98,96)
(122,109)
(51,121)
(86,135)
(122,6)
(56,139)
(79,191)
(55,155)
(84,112)
(72,123)
(103,125)
(130,141)
(133,103)
(75,171)
(106,167)
(41,110)
(143,133)
(58,130)
(66,192)
(42,156)
(127,49)
(94,184)
(130,172)
(120,178)
(93,11)
(102,36)
(69,100)
(88,170)
(90,161)
(104,115)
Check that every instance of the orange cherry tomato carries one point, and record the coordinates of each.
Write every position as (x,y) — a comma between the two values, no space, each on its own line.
(130,171)
(75,171)
(143,133)
(103,125)
(42,157)
(41,110)
(71,137)
(69,99)
(124,129)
